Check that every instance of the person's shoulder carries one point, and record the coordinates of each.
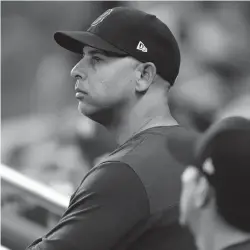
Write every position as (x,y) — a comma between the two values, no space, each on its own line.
(145,145)
(110,169)
(180,144)
(112,178)
(148,156)
(149,144)
(151,148)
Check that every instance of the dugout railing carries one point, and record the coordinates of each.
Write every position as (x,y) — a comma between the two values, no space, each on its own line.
(28,208)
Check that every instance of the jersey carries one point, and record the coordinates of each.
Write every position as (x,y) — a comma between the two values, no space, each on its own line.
(129,201)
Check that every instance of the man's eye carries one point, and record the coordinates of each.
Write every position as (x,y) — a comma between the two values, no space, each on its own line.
(96,59)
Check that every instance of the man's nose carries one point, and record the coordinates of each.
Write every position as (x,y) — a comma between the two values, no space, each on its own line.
(79,71)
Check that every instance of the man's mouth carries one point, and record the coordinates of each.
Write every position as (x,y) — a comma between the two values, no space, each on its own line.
(80,93)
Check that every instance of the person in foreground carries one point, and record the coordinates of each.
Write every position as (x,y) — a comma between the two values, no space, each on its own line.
(130,59)
(215,199)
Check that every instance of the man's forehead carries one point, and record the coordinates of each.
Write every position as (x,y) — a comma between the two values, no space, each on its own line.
(90,50)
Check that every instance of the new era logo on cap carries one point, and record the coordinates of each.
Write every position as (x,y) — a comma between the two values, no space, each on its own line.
(142,47)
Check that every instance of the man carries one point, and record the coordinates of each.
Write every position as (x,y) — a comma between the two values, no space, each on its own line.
(130,60)
(215,199)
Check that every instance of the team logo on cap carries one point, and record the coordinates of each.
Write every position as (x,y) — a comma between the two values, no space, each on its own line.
(101,17)
(142,47)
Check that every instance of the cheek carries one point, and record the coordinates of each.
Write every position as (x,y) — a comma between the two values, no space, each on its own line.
(109,85)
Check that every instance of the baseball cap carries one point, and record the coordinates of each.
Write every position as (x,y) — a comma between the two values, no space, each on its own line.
(222,154)
(131,32)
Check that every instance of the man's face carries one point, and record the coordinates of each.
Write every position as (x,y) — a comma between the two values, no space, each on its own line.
(104,83)
(189,211)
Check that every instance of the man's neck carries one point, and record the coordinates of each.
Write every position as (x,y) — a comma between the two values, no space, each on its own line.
(136,122)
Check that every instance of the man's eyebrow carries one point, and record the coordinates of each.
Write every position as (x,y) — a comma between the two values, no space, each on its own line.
(96,51)
(104,53)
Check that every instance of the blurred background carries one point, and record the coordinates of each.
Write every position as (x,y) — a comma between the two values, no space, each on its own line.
(46,142)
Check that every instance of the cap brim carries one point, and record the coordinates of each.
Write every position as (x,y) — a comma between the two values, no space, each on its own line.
(75,41)
(181,146)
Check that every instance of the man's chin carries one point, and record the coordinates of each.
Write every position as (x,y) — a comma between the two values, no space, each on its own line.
(99,115)
(85,109)
(87,113)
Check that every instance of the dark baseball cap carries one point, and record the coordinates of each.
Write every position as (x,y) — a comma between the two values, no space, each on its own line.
(222,154)
(131,32)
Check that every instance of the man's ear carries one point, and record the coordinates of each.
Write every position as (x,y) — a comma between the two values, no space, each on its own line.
(145,74)
(202,193)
